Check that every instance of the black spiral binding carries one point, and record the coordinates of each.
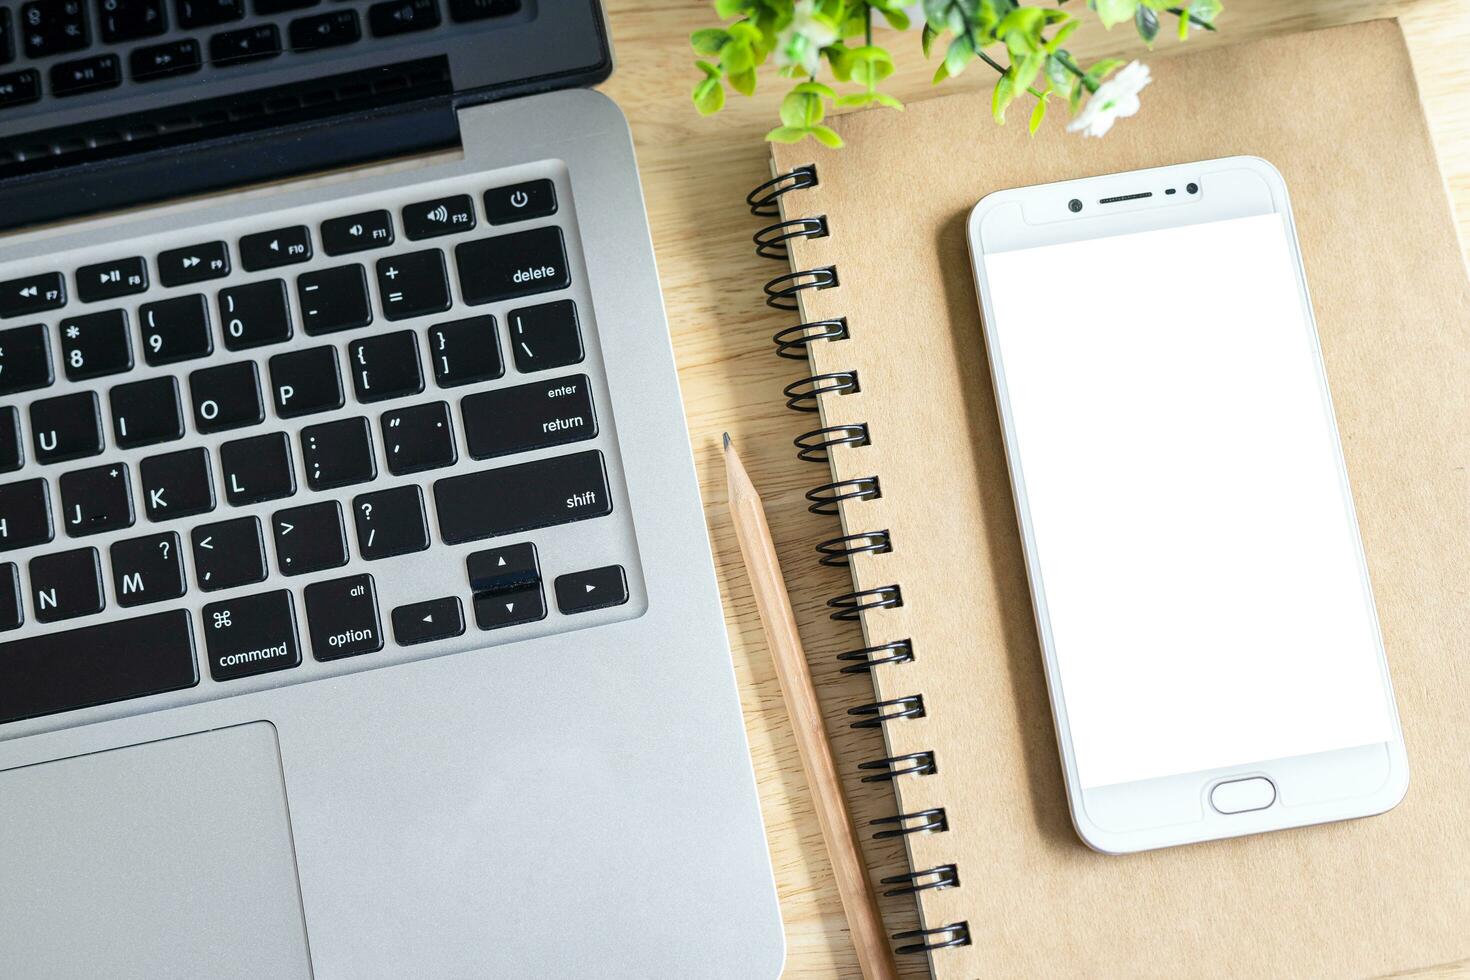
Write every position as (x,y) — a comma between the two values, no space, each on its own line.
(805,395)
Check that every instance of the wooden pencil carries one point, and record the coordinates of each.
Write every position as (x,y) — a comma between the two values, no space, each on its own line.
(859,902)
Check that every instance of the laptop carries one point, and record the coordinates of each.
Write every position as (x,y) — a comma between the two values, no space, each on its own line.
(357,613)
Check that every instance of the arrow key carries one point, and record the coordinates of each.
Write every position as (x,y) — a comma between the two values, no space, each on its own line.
(504,569)
(596,588)
(423,622)
(497,610)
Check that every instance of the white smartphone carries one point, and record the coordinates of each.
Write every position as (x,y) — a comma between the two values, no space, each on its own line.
(1212,650)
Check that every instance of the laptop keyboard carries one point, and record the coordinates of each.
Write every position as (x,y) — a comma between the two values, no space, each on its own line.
(66,48)
(346,436)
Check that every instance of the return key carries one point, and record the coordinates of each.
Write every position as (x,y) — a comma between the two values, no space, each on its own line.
(526,417)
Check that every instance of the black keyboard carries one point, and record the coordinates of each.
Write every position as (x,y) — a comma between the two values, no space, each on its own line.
(347,436)
(68,48)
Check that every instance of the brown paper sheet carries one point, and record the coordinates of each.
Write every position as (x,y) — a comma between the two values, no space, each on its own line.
(1337,112)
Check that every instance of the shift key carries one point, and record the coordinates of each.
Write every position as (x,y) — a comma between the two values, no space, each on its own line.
(526,417)
(518,498)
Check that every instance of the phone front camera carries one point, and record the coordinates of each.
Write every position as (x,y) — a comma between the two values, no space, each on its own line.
(1075,205)
(1192,187)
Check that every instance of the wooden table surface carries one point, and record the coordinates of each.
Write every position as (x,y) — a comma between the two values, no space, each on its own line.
(696,172)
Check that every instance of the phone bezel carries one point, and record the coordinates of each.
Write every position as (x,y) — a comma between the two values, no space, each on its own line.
(1171,810)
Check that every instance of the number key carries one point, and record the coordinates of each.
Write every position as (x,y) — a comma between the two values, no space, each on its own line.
(53,26)
(255,314)
(128,20)
(147,569)
(95,345)
(176,329)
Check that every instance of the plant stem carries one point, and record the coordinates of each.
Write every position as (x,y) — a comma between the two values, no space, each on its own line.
(1066,62)
(1180,12)
(868,24)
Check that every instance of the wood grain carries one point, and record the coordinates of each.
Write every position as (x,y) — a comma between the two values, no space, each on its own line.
(696,172)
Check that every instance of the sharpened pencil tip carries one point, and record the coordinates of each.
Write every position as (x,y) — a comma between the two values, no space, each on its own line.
(727,440)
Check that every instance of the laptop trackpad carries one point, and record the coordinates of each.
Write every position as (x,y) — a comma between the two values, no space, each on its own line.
(168,859)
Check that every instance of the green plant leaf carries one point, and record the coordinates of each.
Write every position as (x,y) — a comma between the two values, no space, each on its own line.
(960,52)
(1103,69)
(1205,10)
(1074,97)
(1037,115)
(708,42)
(729,8)
(787,134)
(870,65)
(839,57)
(709,96)
(1060,76)
(926,38)
(897,18)
(1004,93)
(884,99)
(743,82)
(1026,70)
(1112,12)
(827,137)
(1147,23)
(1063,32)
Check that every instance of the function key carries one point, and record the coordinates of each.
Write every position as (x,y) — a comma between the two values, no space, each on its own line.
(251,635)
(165,60)
(402,16)
(86,75)
(357,232)
(444,216)
(176,329)
(545,336)
(508,266)
(325,30)
(129,20)
(66,427)
(96,345)
(19,87)
(53,27)
(208,13)
(32,294)
(519,202)
(109,280)
(467,10)
(269,249)
(265,7)
(423,622)
(25,359)
(596,588)
(246,44)
(196,263)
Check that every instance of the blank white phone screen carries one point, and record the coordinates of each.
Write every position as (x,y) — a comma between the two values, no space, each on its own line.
(1195,544)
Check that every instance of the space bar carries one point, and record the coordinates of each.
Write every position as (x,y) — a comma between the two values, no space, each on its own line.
(41,675)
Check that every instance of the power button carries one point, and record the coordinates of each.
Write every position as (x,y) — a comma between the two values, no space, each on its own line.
(520,202)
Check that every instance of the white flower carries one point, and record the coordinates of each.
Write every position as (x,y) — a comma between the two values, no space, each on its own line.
(1115,98)
(804,38)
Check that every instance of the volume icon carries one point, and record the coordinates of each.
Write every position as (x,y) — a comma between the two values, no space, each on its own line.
(439,214)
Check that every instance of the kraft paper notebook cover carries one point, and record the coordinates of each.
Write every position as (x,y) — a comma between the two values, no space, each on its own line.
(1338,113)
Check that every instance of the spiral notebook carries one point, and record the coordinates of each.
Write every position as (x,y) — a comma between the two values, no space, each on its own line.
(889,323)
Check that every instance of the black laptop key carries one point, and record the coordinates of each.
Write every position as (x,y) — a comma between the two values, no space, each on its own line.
(467,10)
(596,588)
(19,87)
(385,366)
(25,359)
(109,280)
(257,469)
(53,27)
(325,30)
(424,622)
(7,37)
(12,610)
(246,44)
(12,450)
(147,569)
(157,61)
(31,294)
(390,522)
(269,249)
(520,202)
(63,671)
(304,382)
(418,438)
(334,299)
(402,16)
(441,216)
(25,515)
(66,585)
(248,635)
(128,20)
(504,569)
(531,416)
(310,539)
(413,284)
(66,427)
(338,454)
(465,351)
(545,336)
(195,263)
(508,266)
(497,610)
(226,397)
(145,413)
(176,329)
(228,554)
(96,499)
(208,13)
(343,617)
(86,75)
(95,344)
(266,7)
(255,314)
(522,497)
(357,232)
(177,485)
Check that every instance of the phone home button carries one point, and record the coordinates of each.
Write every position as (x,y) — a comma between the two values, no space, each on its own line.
(1243,795)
